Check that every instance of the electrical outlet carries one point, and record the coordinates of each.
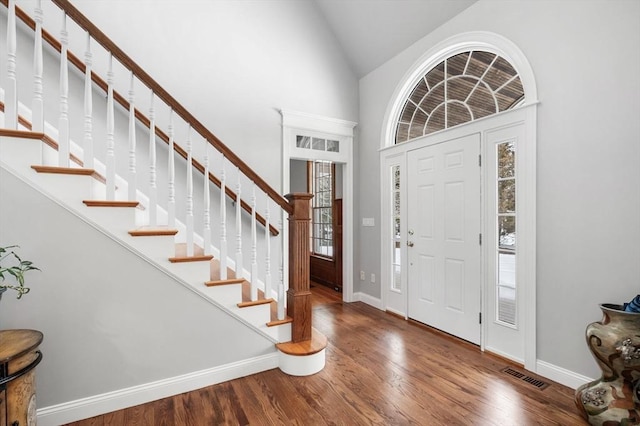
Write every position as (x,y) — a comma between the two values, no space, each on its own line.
(373,278)
(361,275)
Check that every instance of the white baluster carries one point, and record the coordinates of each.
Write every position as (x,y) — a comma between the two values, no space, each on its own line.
(37,110)
(171,209)
(63,126)
(267,240)
(132,143)
(207,202)
(223,223)
(281,301)
(153,188)
(11,92)
(239,267)
(189,204)
(254,247)
(111,151)
(88,155)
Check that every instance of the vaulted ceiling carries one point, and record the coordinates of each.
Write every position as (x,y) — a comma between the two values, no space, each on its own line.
(373,31)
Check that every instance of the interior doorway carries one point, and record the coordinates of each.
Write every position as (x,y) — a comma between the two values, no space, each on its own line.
(324,180)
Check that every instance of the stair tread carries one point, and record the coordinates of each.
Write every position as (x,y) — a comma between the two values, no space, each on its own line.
(106,203)
(275,322)
(317,343)
(152,232)
(254,303)
(63,170)
(194,258)
(214,283)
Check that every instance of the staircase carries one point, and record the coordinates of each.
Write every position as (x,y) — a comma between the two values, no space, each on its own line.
(228,263)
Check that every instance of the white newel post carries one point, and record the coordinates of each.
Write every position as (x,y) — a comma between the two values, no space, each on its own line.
(153,188)
(189,203)
(239,266)
(132,143)
(207,202)
(37,110)
(111,151)
(11,91)
(171,208)
(281,298)
(223,222)
(267,240)
(87,145)
(254,247)
(63,126)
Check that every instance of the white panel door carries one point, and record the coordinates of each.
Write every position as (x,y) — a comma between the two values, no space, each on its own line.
(443,225)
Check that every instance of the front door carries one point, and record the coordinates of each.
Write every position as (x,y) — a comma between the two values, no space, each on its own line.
(443,225)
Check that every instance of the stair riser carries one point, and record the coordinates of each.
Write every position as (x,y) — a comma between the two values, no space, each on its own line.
(155,248)
(190,272)
(256,314)
(226,295)
(282,332)
(117,220)
(20,154)
(69,189)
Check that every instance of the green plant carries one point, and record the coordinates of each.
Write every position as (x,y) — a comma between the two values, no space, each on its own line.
(17,268)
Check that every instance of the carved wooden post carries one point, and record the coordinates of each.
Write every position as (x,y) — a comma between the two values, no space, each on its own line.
(299,295)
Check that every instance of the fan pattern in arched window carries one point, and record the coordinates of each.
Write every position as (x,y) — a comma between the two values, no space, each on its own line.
(462,88)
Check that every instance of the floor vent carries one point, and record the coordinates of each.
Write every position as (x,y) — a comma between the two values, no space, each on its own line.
(531,380)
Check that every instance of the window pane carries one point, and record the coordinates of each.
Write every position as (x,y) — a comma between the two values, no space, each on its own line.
(506,160)
(318,144)
(506,233)
(396,279)
(333,146)
(507,196)
(322,215)
(303,141)
(507,305)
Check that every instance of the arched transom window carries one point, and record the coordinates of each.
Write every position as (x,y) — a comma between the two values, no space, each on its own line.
(462,88)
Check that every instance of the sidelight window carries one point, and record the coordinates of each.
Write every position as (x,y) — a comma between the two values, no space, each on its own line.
(506,221)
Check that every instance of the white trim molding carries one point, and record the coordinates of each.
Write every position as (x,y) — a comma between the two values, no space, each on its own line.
(296,123)
(561,375)
(474,40)
(369,300)
(117,400)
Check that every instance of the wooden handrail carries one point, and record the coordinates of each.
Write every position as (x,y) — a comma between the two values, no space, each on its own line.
(143,119)
(161,93)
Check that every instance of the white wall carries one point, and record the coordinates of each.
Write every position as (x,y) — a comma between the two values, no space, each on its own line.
(233,64)
(110,320)
(586,61)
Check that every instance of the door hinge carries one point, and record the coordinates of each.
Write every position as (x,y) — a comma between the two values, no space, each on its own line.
(480,239)
(480,160)
(480,317)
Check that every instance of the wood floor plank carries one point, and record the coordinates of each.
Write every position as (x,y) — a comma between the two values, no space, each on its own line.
(381,370)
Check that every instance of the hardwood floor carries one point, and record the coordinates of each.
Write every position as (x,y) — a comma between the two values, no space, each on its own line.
(380,370)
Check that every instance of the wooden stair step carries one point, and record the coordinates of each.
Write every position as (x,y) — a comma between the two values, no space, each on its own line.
(106,203)
(273,323)
(317,343)
(152,232)
(254,303)
(63,170)
(224,282)
(197,258)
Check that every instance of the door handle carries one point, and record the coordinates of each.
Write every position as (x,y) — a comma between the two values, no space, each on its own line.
(410,243)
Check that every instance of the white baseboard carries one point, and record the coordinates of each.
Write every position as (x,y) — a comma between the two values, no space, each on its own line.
(561,375)
(117,400)
(369,300)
